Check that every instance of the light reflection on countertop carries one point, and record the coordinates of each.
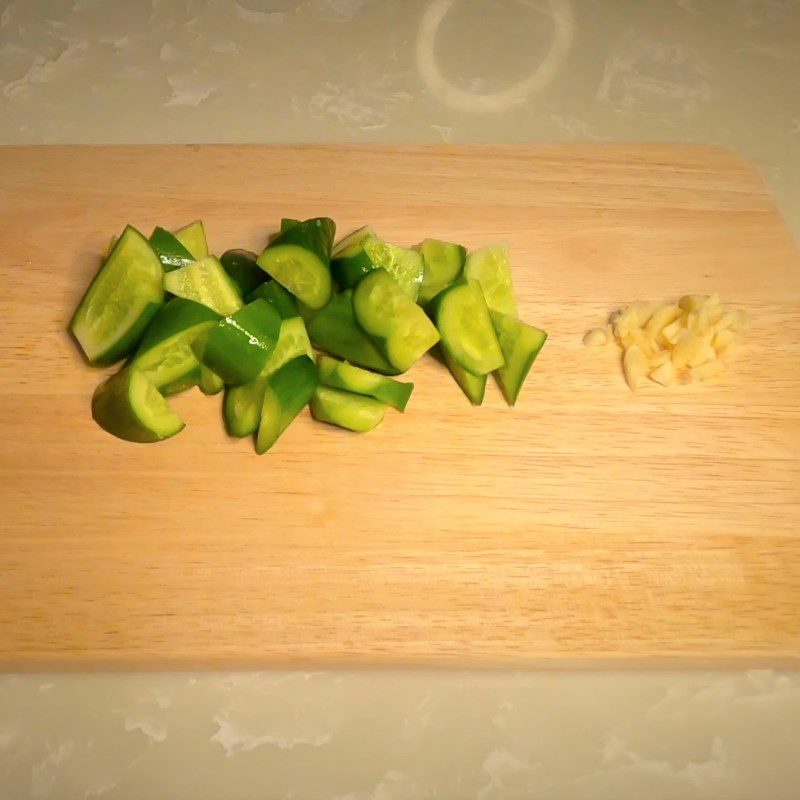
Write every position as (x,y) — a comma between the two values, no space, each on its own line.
(715,71)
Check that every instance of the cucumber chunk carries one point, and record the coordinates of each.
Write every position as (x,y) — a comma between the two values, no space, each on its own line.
(243,270)
(193,238)
(299,259)
(284,302)
(128,406)
(491,268)
(397,323)
(346,409)
(205,282)
(443,263)
(521,344)
(120,301)
(209,382)
(171,253)
(462,318)
(473,386)
(341,375)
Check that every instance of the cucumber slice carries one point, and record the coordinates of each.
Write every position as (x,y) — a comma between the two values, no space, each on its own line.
(349,262)
(165,356)
(443,264)
(299,259)
(242,407)
(473,386)
(490,267)
(239,346)
(171,253)
(287,392)
(120,301)
(341,375)
(335,330)
(284,302)
(462,318)
(205,282)
(209,382)
(128,406)
(193,238)
(346,409)
(243,270)
(371,253)
(388,314)
(521,344)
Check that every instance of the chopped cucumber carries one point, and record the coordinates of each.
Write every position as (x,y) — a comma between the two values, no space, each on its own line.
(491,268)
(299,259)
(473,386)
(346,409)
(240,345)
(128,406)
(462,318)
(349,262)
(341,375)
(287,392)
(288,222)
(284,302)
(193,238)
(209,382)
(121,300)
(443,264)
(206,282)
(389,315)
(165,356)
(171,253)
(242,407)
(520,344)
(335,330)
(244,271)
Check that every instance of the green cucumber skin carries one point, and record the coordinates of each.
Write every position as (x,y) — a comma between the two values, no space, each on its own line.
(315,235)
(347,271)
(473,386)
(209,382)
(126,344)
(288,222)
(240,345)
(389,391)
(243,270)
(288,391)
(171,253)
(242,407)
(174,317)
(334,330)
(282,299)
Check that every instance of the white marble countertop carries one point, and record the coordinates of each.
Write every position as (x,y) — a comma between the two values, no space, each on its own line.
(714,71)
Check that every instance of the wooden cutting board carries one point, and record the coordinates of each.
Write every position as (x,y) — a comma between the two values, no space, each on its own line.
(585,526)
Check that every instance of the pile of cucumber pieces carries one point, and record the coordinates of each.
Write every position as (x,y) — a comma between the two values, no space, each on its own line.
(251,324)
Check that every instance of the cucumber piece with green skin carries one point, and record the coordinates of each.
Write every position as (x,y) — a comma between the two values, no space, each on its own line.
(521,344)
(209,382)
(242,406)
(288,222)
(341,375)
(121,300)
(286,394)
(171,253)
(349,261)
(405,266)
(490,266)
(165,356)
(473,386)
(468,335)
(334,329)
(299,259)
(205,282)
(193,238)
(393,319)
(238,347)
(284,302)
(128,406)
(347,409)
(244,271)
(443,263)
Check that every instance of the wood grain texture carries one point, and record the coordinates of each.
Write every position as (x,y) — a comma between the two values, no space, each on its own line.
(586,525)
